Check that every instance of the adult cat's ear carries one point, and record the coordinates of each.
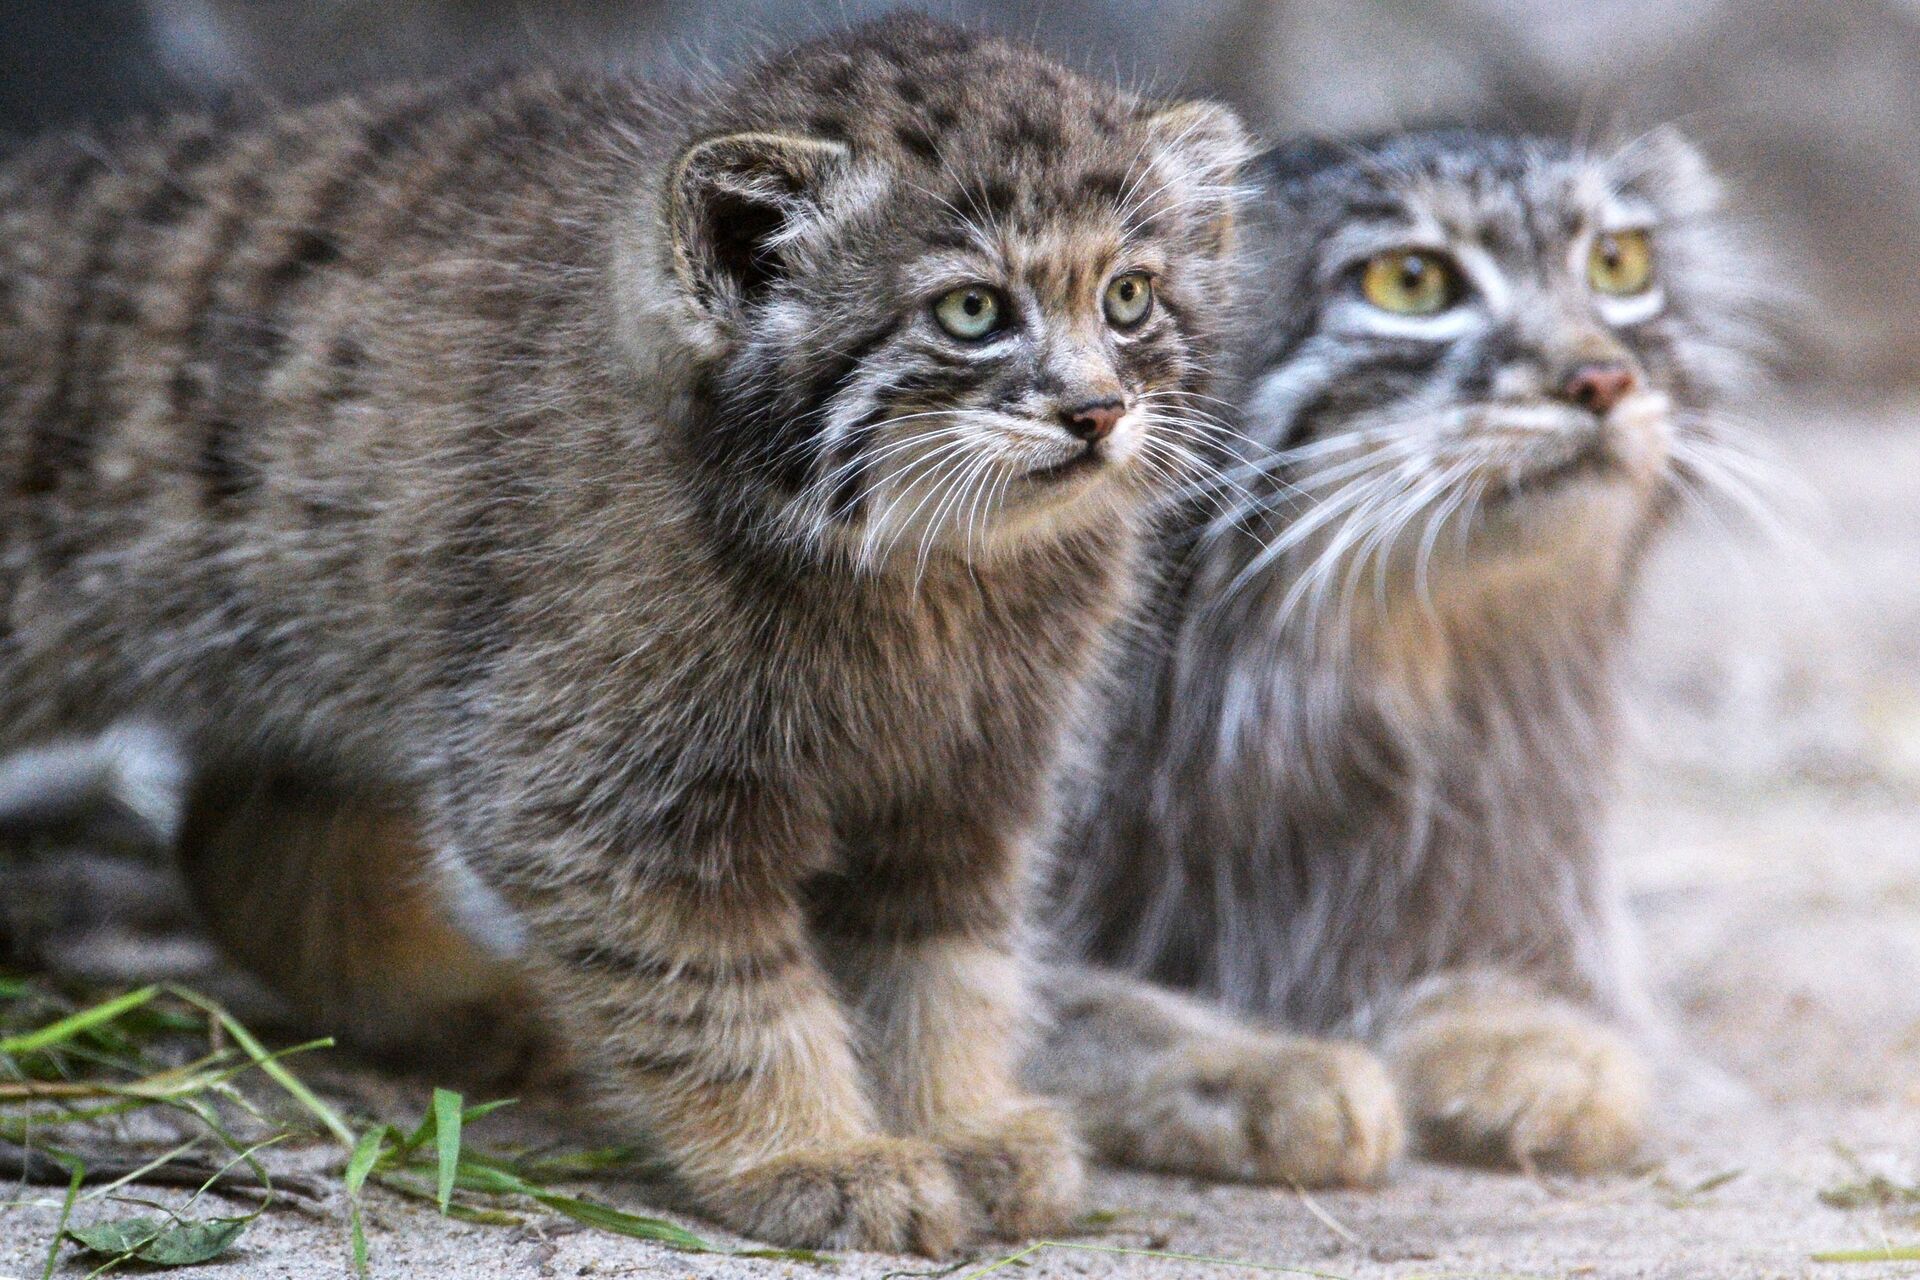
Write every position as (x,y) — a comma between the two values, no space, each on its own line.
(1204,146)
(734,206)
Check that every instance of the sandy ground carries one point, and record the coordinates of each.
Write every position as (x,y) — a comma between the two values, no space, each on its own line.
(1771,843)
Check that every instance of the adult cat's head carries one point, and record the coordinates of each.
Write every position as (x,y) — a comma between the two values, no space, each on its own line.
(955,295)
(1484,357)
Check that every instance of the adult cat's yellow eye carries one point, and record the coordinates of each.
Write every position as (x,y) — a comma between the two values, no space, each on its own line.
(1410,282)
(970,312)
(1621,263)
(1129,297)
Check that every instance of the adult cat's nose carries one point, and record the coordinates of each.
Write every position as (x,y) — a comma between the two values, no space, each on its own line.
(1599,387)
(1094,420)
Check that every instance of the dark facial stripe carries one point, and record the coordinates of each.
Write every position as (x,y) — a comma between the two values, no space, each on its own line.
(756,424)
(1365,383)
(848,501)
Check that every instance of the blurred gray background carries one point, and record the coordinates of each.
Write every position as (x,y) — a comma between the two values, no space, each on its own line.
(1810,107)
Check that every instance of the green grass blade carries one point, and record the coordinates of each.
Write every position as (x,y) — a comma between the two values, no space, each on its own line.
(136,1174)
(622,1223)
(357,1237)
(429,1125)
(1891,1253)
(486,1109)
(366,1154)
(66,1214)
(326,1115)
(73,1024)
(489,1178)
(447,1112)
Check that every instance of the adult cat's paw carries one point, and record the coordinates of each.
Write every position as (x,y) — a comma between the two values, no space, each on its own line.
(888,1195)
(1022,1166)
(1521,1080)
(1257,1108)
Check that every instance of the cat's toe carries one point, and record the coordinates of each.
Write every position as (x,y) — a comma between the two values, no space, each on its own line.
(1263,1109)
(888,1195)
(1540,1083)
(1324,1113)
(1022,1167)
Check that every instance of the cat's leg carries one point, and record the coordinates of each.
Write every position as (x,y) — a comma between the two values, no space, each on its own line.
(1497,1069)
(712,1031)
(1167,1082)
(934,965)
(329,894)
(674,949)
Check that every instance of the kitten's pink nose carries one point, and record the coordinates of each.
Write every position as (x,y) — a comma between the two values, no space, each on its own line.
(1599,387)
(1095,420)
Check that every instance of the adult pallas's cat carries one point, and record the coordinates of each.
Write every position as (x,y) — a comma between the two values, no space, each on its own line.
(1359,779)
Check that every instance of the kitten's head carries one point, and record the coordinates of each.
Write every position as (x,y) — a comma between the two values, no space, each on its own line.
(1482,352)
(957,296)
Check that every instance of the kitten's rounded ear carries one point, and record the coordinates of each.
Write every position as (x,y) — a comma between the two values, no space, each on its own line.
(733,204)
(1204,140)
(1665,164)
(1207,146)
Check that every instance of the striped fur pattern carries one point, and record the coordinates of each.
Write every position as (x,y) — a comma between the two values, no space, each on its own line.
(568,476)
(1362,782)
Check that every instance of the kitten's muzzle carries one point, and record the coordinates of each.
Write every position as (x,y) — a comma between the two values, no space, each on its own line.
(1099,425)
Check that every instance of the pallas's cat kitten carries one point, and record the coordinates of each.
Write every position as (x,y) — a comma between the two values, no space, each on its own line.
(690,516)
(1359,783)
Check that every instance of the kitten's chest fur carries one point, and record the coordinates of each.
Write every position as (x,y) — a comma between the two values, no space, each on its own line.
(950,687)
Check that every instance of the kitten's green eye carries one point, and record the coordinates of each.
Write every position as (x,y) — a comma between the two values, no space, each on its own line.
(1621,263)
(970,312)
(1410,282)
(1129,298)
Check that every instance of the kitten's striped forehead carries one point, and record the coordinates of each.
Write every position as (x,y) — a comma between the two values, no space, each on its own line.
(1066,261)
(976,134)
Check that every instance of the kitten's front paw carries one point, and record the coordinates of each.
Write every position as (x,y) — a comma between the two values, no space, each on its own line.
(1259,1109)
(1522,1082)
(1022,1166)
(888,1195)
